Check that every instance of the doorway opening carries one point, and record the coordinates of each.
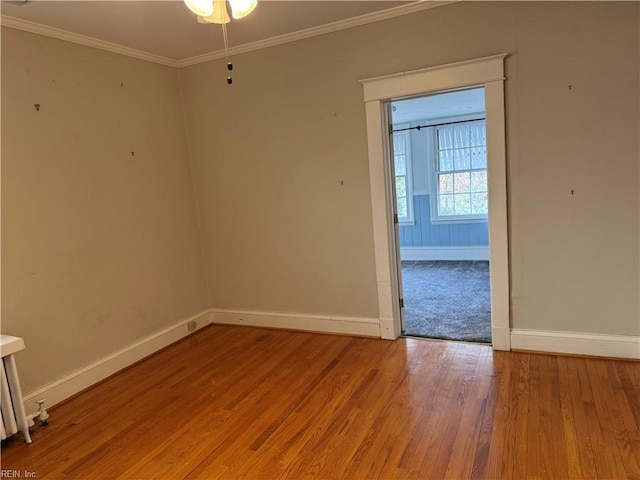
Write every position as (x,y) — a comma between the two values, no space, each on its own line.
(487,72)
(438,158)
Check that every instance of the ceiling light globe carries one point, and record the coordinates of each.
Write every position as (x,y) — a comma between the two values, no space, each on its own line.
(242,8)
(202,8)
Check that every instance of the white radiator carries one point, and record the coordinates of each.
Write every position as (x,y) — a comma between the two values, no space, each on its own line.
(14,418)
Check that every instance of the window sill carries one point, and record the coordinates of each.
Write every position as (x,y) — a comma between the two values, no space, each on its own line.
(444,221)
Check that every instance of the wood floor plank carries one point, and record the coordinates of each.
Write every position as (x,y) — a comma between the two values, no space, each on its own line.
(233,402)
(603,398)
(498,418)
(535,458)
(521,394)
(558,435)
(449,422)
(604,468)
(568,421)
(460,463)
(485,389)
(542,464)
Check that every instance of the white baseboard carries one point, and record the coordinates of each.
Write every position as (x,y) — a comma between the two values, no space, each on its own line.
(619,346)
(616,346)
(444,253)
(367,327)
(75,382)
(388,329)
(500,338)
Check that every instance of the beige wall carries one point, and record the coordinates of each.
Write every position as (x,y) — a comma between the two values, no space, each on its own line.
(281,171)
(575,126)
(99,247)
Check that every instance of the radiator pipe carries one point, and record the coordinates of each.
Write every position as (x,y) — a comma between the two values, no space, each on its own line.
(41,413)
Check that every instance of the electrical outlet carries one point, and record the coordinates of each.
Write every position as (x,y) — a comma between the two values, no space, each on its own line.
(192,325)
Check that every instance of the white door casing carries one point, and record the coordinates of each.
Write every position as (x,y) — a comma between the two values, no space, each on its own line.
(394,205)
(487,72)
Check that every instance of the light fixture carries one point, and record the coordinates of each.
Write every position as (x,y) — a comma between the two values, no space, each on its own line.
(215,11)
(202,8)
(219,15)
(242,8)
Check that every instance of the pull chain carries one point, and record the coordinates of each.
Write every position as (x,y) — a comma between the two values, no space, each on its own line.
(226,52)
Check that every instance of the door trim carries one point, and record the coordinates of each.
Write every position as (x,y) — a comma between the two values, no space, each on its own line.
(487,72)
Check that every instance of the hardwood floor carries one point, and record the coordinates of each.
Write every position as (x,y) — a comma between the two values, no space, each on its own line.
(233,402)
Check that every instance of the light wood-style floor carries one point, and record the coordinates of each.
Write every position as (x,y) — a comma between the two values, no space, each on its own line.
(233,402)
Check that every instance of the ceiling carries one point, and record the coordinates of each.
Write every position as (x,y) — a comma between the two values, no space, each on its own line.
(439,106)
(169,31)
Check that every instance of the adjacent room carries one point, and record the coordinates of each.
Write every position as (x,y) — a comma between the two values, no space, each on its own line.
(441,189)
(218,260)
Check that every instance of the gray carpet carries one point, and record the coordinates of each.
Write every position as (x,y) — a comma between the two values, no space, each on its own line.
(448,300)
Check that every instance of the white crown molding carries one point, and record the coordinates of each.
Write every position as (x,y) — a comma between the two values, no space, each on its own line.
(17,23)
(316,31)
(25,25)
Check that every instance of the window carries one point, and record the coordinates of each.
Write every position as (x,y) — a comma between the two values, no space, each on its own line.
(402,168)
(461,190)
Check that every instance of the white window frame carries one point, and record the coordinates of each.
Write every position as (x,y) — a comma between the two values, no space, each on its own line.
(409,219)
(436,218)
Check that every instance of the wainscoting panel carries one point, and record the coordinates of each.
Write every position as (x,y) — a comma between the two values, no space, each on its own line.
(425,234)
